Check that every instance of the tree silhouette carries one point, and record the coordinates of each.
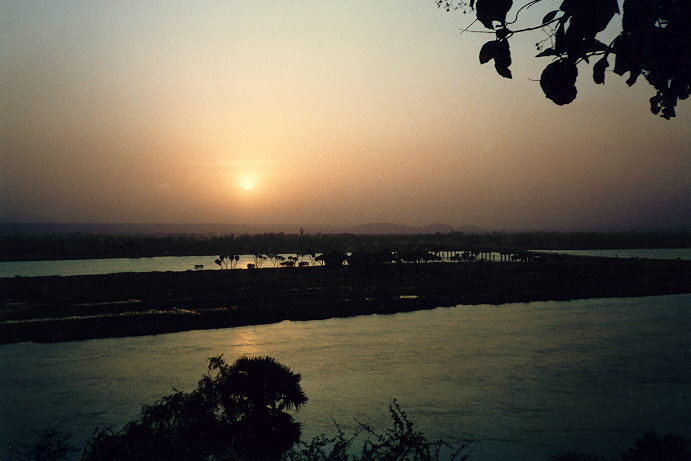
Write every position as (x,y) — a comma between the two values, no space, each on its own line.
(236,412)
(311,255)
(333,258)
(654,41)
(259,259)
(275,258)
(251,396)
(226,262)
(222,262)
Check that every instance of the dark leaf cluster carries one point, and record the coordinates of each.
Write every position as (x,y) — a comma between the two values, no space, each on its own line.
(497,50)
(655,41)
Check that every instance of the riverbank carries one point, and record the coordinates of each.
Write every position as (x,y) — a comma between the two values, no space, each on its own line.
(47,309)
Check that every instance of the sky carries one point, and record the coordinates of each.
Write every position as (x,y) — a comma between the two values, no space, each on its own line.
(316,112)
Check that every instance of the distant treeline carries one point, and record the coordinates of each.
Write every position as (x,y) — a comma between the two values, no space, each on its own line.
(17,247)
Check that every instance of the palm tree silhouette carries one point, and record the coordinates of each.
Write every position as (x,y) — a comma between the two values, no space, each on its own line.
(252,395)
(254,384)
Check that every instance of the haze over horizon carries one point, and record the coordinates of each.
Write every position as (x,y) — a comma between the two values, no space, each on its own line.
(201,228)
(314,112)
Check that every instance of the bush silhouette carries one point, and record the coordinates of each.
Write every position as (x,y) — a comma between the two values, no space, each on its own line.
(648,447)
(51,445)
(236,412)
(401,442)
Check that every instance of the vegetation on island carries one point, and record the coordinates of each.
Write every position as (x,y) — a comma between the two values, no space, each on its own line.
(73,308)
(18,247)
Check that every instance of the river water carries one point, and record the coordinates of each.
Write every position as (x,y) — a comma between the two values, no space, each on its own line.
(646,253)
(522,381)
(184,263)
(69,267)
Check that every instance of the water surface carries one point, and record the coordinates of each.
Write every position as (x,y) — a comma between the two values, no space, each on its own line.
(523,380)
(69,267)
(184,263)
(644,253)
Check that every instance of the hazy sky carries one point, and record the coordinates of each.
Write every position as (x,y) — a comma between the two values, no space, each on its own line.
(314,111)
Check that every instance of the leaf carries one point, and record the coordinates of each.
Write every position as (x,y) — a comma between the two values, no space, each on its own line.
(599,70)
(601,13)
(628,58)
(558,81)
(549,16)
(488,51)
(500,52)
(547,52)
(655,104)
(679,87)
(633,76)
(502,33)
(560,38)
(502,58)
(668,112)
(488,11)
(504,71)
(594,45)
(592,16)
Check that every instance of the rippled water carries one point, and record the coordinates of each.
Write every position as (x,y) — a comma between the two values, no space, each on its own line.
(522,380)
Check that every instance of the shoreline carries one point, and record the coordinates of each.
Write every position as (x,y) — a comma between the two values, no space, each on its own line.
(54,309)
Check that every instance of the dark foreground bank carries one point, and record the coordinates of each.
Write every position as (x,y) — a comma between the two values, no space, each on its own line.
(46,309)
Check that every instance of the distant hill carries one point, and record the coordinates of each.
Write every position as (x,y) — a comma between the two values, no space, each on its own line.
(391,228)
(225,229)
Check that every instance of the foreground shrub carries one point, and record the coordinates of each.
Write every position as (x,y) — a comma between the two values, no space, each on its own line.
(400,442)
(649,447)
(652,447)
(236,412)
(51,445)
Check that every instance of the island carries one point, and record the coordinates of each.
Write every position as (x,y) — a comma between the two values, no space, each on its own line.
(50,309)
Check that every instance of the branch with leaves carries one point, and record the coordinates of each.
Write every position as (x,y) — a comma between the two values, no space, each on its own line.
(655,41)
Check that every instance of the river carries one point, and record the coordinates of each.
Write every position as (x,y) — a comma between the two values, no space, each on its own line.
(183,263)
(523,381)
(67,267)
(644,253)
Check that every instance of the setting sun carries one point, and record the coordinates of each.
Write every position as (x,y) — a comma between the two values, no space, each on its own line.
(247,182)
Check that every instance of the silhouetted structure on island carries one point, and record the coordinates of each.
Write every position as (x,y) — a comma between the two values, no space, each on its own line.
(18,247)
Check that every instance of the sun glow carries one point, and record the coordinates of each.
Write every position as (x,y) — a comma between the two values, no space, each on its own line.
(247,182)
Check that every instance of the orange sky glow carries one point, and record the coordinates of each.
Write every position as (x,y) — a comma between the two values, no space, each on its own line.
(315,112)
